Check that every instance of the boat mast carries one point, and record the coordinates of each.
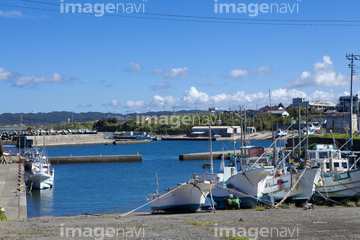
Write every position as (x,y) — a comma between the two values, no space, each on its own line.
(211,154)
(157,184)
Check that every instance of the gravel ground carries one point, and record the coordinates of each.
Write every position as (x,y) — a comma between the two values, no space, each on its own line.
(285,223)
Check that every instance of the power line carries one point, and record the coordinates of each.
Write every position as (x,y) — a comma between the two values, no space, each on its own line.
(185,18)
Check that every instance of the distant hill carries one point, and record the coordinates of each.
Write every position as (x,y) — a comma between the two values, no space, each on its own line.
(53,118)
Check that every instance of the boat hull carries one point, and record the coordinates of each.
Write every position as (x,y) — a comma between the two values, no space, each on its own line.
(187,197)
(302,191)
(243,186)
(339,185)
(42,180)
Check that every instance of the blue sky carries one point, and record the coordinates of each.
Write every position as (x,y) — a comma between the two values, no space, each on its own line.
(175,54)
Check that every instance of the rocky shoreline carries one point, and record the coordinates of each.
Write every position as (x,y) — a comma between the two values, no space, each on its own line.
(284,223)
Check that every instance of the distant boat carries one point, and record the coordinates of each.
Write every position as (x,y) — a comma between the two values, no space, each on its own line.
(185,198)
(281,133)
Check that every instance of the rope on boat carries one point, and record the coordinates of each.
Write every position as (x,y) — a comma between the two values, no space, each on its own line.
(133,204)
(326,198)
(212,205)
(239,191)
(292,188)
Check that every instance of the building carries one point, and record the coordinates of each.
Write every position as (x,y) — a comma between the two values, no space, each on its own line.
(299,102)
(321,105)
(344,104)
(223,131)
(339,123)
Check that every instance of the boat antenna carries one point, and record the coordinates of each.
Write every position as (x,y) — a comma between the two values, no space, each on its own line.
(157,184)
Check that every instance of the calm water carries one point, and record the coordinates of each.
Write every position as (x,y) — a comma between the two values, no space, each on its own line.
(103,187)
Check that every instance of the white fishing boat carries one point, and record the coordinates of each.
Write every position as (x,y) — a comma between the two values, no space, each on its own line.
(220,191)
(281,133)
(295,185)
(246,185)
(186,197)
(41,175)
(338,180)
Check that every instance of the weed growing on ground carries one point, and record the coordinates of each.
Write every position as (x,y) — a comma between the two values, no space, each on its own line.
(2,214)
(350,204)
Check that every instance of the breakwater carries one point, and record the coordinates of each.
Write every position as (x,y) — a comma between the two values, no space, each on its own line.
(95,159)
(206,155)
(127,141)
(64,140)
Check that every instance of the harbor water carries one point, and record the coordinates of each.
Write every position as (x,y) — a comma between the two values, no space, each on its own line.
(99,188)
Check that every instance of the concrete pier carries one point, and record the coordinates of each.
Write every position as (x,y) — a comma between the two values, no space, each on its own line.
(206,155)
(66,140)
(124,142)
(95,159)
(13,190)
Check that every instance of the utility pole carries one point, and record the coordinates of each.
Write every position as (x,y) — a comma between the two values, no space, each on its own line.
(351,57)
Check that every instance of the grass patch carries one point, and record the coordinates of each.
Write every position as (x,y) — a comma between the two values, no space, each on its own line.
(200,224)
(258,208)
(350,204)
(34,233)
(237,238)
(2,214)
(142,225)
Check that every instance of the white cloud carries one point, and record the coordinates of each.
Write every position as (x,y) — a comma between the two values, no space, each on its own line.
(323,75)
(238,73)
(33,80)
(6,75)
(134,104)
(135,67)
(114,103)
(84,105)
(158,71)
(194,97)
(11,14)
(177,73)
(160,86)
(263,70)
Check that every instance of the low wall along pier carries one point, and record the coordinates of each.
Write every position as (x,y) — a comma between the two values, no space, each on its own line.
(95,159)
(64,140)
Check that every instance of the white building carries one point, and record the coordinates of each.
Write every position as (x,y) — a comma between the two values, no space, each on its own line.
(223,131)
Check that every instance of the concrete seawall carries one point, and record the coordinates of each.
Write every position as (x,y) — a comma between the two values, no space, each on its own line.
(206,155)
(95,159)
(67,140)
(13,191)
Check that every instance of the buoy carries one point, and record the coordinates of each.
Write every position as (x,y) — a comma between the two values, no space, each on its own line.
(277,174)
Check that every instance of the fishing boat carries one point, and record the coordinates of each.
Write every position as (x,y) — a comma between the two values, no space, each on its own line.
(290,182)
(295,185)
(246,184)
(281,133)
(338,180)
(41,176)
(185,198)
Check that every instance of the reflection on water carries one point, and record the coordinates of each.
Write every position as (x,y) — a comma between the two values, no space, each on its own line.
(40,201)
